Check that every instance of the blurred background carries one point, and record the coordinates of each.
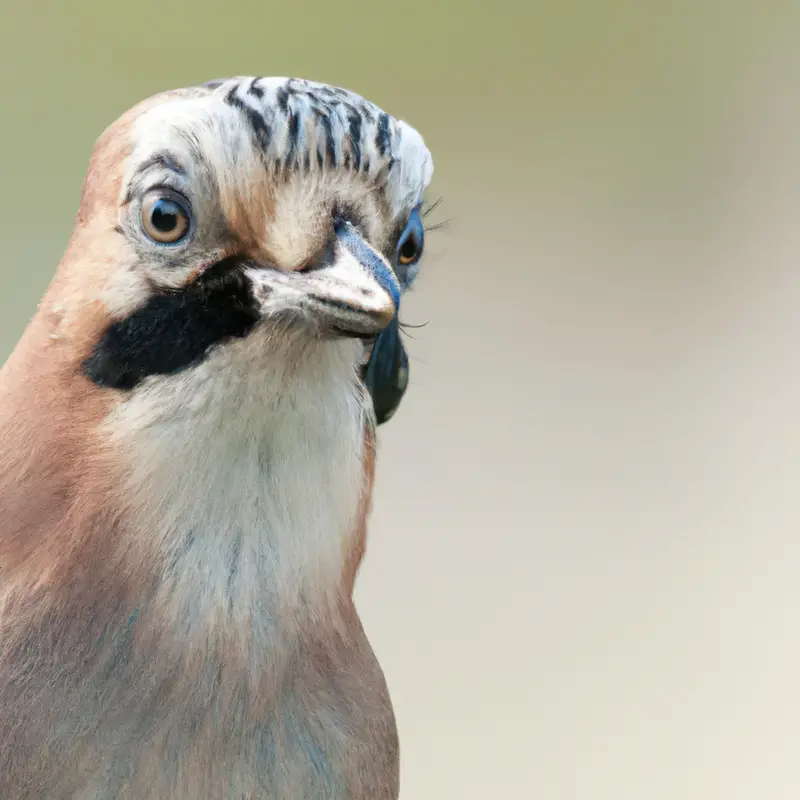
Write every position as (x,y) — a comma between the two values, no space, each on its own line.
(583,576)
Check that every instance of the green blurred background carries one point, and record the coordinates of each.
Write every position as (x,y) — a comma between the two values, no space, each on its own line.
(582,578)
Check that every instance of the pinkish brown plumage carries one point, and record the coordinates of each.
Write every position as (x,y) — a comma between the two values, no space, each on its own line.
(188,452)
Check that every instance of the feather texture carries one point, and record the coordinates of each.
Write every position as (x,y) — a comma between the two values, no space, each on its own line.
(186,473)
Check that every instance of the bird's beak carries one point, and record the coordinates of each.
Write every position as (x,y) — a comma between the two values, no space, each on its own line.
(352,291)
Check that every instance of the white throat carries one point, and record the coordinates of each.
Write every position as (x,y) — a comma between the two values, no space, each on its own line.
(247,473)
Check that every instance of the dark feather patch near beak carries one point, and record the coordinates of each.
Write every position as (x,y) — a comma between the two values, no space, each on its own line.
(386,373)
(175,330)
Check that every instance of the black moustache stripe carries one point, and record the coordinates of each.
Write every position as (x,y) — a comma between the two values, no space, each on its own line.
(174,330)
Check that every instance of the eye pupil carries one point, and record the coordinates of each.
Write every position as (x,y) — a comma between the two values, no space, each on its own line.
(408,251)
(165,216)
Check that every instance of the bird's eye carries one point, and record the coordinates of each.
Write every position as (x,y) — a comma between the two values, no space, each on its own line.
(411,243)
(165,217)
(409,251)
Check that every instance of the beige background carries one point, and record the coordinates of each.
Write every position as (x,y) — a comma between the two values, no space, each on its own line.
(584,568)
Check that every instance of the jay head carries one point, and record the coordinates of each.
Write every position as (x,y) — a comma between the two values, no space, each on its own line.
(186,454)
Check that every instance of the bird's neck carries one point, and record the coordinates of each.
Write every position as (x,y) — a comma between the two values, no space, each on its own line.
(247,476)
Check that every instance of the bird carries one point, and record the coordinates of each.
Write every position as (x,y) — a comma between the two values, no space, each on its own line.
(188,433)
